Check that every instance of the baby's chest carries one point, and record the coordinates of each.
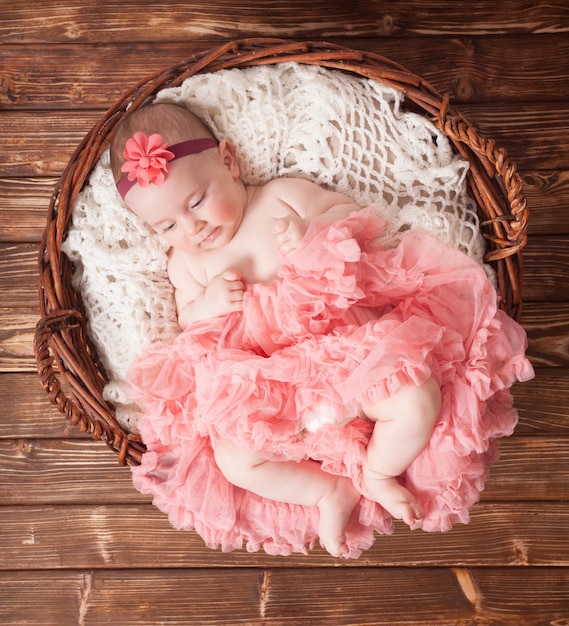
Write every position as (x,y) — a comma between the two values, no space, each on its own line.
(251,252)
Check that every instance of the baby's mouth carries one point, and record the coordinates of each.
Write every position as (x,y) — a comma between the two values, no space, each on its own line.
(211,236)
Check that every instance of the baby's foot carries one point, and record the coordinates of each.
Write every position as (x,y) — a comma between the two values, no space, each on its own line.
(335,510)
(393,497)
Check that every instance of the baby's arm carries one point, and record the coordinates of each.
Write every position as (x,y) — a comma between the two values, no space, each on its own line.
(308,202)
(195,302)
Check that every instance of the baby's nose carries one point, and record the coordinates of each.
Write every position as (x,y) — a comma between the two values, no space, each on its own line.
(193,226)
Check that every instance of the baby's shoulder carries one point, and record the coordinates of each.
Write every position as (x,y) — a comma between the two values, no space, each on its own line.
(288,191)
(288,184)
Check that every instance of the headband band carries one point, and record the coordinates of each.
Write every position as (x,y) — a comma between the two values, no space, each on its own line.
(147,159)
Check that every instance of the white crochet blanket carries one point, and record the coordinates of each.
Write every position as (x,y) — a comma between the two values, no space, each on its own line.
(341,131)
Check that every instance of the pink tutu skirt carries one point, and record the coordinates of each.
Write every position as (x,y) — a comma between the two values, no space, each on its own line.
(344,324)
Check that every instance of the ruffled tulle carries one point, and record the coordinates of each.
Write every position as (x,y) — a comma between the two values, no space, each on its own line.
(345,324)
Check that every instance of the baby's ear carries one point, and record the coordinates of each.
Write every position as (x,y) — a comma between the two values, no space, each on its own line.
(229,158)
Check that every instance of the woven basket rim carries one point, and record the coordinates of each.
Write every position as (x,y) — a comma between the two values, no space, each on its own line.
(68,365)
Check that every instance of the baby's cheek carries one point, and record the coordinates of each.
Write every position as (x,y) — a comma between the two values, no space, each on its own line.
(224,213)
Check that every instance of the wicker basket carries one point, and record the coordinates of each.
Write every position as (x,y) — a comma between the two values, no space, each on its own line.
(68,364)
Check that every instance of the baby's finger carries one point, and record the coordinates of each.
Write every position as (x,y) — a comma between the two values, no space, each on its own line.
(237,288)
(287,247)
(280,225)
(235,302)
(233,289)
(231,275)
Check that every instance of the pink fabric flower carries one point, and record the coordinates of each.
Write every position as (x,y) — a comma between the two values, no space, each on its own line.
(146,159)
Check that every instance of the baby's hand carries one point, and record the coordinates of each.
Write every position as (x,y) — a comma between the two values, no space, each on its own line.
(288,233)
(224,293)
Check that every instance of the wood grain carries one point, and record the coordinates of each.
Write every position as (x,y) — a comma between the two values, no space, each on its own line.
(78,544)
(139,536)
(23,208)
(19,276)
(75,471)
(17,330)
(86,471)
(367,596)
(468,73)
(26,412)
(75,22)
(551,387)
(532,134)
(547,326)
(547,193)
(546,269)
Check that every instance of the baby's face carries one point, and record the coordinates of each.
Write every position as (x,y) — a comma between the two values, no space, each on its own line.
(200,204)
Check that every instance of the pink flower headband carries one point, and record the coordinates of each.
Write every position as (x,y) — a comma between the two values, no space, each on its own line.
(147,159)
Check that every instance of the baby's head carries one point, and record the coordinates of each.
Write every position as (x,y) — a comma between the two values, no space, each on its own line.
(174,123)
(171,172)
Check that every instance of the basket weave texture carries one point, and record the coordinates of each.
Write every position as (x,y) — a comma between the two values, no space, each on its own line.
(68,364)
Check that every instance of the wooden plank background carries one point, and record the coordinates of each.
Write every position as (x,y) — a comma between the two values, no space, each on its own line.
(78,545)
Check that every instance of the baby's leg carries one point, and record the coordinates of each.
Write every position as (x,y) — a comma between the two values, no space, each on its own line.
(296,483)
(403,425)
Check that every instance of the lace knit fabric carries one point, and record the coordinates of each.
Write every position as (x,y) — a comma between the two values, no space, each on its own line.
(343,132)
